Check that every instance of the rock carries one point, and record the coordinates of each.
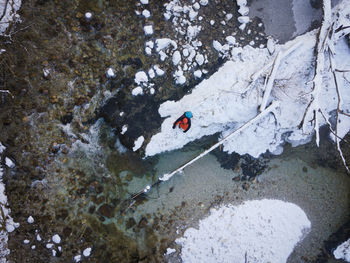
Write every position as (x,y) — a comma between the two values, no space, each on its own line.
(106,210)
(130,223)
(245,186)
(143,222)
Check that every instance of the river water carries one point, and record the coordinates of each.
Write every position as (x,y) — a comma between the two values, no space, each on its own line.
(75,177)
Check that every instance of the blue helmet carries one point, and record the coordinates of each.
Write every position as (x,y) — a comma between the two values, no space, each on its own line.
(188,114)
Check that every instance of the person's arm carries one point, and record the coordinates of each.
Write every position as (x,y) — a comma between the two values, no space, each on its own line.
(189,125)
(177,121)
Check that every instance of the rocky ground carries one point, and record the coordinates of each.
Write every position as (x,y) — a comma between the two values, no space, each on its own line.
(54,65)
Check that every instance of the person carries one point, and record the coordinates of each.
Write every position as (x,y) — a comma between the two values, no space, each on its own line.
(184,122)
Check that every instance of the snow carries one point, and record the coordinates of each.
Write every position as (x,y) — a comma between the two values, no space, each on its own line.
(151,73)
(124,129)
(137,91)
(217,45)
(141,77)
(6,220)
(49,245)
(150,44)
(257,231)
(148,51)
(243,19)
(200,59)
(232,95)
(170,251)
(138,143)
(146,13)
(243,10)
(179,77)
(231,40)
(10,14)
(158,70)
(198,74)
(241,2)
(56,239)
(77,258)
(110,73)
(53,252)
(26,241)
(30,220)
(148,30)
(203,2)
(88,16)
(176,57)
(144,2)
(87,252)
(9,163)
(163,43)
(38,238)
(343,251)
(196,6)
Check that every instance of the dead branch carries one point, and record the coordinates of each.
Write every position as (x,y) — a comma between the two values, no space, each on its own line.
(346,114)
(269,84)
(257,74)
(337,141)
(312,110)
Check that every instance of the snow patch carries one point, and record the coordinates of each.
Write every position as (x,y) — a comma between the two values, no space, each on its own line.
(343,251)
(138,143)
(257,231)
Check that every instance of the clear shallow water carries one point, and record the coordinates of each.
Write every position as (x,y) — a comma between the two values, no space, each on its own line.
(169,208)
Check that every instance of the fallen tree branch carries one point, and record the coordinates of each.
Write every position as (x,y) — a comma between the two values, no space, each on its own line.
(257,74)
(269,109)
(337,141)
(322,45)
(271,79)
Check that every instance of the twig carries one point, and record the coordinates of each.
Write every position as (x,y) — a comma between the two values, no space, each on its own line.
(342,70)
(330,127)
(346,114)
